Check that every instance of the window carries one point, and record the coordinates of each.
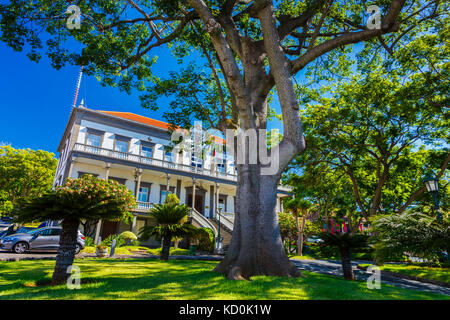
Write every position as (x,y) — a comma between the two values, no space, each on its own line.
(143,194)
(221,167)
(163,196)
(46,232)
(168,156)
(221,204)
(55,232)
(94,140)
(121,145)
(163,193)
(147,151)
(196,161)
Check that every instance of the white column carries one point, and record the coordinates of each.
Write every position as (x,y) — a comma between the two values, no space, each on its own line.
(193,193)
(167,184)
(138,186)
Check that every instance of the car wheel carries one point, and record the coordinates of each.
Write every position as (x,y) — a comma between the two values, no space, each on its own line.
(20,247)
(77,249)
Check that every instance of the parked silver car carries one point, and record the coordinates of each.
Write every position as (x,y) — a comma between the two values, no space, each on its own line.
(42,239)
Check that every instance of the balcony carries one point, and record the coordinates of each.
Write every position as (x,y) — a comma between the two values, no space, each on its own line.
(143,206)
(138,159)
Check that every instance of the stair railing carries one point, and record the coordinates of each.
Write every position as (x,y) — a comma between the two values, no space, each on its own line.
(202,221)
(226,221)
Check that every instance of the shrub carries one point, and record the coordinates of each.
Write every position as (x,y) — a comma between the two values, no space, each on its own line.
(88,242)
(206,240)
(414,233)
(172,198)
(120,242)
(128,236)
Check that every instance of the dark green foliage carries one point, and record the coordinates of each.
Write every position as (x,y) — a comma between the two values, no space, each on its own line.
(287,225)
(170,221)
(120,242)
(88,242)
(24,173)
(345,240)
(83,198)
(414,233)
(206,239)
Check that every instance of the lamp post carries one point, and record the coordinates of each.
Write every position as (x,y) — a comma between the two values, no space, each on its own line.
(432,186)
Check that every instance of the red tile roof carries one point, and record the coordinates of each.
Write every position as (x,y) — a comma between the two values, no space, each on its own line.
(149,121)
(138,118)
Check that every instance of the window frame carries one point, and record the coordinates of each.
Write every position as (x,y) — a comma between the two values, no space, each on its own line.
(164,188)
(91,131)
(147,145)
(122,139)
(147,185)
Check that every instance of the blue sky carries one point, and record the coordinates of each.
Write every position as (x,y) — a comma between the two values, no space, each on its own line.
(36,99)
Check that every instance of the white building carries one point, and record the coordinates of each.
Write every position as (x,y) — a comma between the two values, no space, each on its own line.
(130,149)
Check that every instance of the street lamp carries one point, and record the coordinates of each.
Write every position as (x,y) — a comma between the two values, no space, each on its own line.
(432,186)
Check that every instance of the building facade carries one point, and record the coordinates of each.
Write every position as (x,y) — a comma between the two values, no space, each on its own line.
(135,151)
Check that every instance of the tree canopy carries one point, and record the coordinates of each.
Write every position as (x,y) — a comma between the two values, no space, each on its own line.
(24,173)
(242,54)
(83,198)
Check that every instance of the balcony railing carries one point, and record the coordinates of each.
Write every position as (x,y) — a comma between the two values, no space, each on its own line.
(143,206)
(205,171)
(152,161)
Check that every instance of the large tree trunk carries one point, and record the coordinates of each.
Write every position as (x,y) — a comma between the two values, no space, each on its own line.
(165,248)
(66,250)
(346,261)
(256,247)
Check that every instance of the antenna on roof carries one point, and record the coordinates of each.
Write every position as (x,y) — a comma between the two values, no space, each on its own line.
(77,89)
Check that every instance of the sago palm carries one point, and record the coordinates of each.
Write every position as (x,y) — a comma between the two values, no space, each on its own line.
(345,242)
(170,221)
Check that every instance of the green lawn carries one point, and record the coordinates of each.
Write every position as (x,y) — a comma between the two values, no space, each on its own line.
(179,279)
(437,274)
(305,256)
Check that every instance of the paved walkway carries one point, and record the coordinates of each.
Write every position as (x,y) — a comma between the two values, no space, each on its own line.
(329,267)
(334,268)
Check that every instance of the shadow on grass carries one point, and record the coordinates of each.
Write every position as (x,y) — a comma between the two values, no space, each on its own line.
(181,279)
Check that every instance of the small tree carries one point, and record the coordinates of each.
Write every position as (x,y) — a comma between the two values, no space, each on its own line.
(24,173)
(170,218)
(83,198)
(299,208)
(288,229)
(345,242)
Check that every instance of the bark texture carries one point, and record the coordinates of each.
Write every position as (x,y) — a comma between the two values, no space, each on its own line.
(66,250)
(346,261)
(256,247)
(165,249)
